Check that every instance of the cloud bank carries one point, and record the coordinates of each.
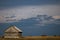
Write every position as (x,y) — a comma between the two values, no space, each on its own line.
(24,12)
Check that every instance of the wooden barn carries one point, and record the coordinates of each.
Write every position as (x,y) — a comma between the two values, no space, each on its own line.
(13,32)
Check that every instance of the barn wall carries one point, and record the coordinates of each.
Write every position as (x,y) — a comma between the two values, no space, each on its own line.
(12,35)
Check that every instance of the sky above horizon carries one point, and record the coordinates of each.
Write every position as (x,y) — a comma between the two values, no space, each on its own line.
(14,10)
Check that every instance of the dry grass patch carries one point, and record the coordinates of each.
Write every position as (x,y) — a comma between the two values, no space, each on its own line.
(34,38)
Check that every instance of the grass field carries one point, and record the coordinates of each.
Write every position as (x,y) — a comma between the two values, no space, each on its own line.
(34,38)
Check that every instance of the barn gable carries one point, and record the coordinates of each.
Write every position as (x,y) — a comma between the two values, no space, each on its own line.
(13,29)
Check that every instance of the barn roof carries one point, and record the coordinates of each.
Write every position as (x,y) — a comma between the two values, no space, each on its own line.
(13,29)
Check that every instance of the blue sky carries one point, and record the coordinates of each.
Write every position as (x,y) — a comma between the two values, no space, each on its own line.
(7,3)
(15,3)
(14,10)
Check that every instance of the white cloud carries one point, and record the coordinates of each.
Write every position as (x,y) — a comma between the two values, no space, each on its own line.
(56,17)
(2,19)
(29,11)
